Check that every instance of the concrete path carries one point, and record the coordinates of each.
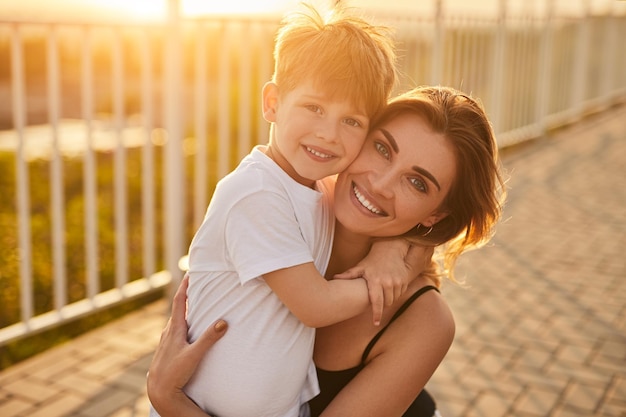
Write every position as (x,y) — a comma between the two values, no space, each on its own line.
(541,320)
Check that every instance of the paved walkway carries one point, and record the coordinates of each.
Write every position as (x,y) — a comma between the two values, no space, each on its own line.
(541,322)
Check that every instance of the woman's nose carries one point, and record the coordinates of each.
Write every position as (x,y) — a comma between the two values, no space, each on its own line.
(381,181)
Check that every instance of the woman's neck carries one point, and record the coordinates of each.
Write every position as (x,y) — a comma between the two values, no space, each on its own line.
(348,250)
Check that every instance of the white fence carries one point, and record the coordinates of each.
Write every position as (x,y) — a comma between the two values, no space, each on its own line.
(169,109)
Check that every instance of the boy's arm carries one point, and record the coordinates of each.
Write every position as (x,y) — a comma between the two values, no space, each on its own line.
(314,300)
(388,268)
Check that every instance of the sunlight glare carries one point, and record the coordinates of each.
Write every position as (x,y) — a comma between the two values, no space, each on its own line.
(139,9)
(204,7)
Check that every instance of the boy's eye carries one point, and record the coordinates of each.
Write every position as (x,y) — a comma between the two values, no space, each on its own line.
(314,108)
(419,184)
(382,149)
(353,122)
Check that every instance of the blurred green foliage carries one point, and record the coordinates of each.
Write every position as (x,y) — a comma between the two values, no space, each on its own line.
(74,217)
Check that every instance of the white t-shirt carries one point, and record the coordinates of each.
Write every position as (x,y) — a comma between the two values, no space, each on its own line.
(259,220)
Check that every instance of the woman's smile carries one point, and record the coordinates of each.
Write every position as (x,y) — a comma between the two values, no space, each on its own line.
(365,202)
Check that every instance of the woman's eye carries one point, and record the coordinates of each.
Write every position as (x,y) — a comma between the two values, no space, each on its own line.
(382,149)
(419,185)
(353,122)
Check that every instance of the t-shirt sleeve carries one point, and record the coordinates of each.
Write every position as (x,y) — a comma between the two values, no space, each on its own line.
(263,235)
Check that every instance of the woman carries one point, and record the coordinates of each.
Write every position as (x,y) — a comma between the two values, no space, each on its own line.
(429,172)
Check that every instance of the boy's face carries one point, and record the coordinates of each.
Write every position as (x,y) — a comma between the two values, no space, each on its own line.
(314,136)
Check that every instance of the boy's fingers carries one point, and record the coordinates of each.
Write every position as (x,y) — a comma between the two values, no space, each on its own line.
(350,274)
(377,301)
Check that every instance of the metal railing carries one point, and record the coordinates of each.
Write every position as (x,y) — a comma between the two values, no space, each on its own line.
(170,108)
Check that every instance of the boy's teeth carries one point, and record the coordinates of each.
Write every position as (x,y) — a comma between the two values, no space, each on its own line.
(318,154)
(365,202)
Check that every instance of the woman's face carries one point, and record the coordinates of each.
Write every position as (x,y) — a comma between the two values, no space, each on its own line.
(400,178)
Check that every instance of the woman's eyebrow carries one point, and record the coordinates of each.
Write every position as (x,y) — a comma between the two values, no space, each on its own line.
(428,175)
(417,169)
(390,138)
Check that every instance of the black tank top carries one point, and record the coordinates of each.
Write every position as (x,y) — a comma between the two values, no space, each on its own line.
(331,382)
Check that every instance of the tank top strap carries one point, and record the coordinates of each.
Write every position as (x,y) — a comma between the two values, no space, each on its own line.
(401,310)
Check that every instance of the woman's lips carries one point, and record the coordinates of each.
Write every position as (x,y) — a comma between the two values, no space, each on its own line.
(363,201)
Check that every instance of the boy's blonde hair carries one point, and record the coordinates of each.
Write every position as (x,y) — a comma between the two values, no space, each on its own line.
(343,55)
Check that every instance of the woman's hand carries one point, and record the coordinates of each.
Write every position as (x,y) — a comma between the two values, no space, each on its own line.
(175,360)
(388,268)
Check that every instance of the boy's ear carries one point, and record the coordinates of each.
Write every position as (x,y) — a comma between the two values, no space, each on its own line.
(270,101)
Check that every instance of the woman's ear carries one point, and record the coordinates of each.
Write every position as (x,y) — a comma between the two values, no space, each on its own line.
(435,218)
(270,101)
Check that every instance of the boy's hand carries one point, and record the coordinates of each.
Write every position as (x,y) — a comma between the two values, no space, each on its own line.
(388,269)
(175,359)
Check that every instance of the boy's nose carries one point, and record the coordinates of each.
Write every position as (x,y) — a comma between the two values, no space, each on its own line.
(327,131)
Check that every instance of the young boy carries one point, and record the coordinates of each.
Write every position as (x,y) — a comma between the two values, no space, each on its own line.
(258,258)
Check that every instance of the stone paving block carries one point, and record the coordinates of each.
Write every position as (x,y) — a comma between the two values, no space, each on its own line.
(537,401)
(32,389)
(138,408)
(484,383)
(106,402)
(532,358)
(489,405)
(587,374)
(53,368)
(614,349)
(618,390)
(611,410)
(585,397)
(13,407)
(492,363)
(81,384)
(563,411)
(533,378)
(60,406)
(108,364)
(608,366)
(574,353)
(131,381)
(451,408)
(445,390)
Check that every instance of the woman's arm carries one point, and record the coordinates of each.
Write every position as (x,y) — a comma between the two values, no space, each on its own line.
(175,361)
(401,362)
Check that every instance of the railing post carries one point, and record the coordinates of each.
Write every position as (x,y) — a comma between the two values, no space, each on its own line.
(579,81)
(120,189)
(437,47)
(607,87)
(57,204)
(173,173)
(545,65)
(90,169)
(498,68)
(18,96)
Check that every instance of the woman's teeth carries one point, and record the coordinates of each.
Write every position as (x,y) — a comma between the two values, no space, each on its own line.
(365,203)
(318,154)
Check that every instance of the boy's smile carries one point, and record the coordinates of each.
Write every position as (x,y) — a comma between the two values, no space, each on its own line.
(314,134)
